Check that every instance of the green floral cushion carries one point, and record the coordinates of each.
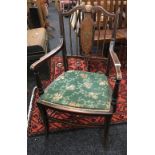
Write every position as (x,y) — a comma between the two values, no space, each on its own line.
(79,89)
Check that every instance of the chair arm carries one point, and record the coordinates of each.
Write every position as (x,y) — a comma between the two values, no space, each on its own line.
(47,56)
(116,61)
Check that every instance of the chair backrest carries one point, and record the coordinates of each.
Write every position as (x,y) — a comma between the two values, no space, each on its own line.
(83,38)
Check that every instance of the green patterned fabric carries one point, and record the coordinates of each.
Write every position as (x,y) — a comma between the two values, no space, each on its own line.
(79,89)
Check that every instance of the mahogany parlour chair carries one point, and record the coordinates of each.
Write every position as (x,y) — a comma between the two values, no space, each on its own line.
(82,93)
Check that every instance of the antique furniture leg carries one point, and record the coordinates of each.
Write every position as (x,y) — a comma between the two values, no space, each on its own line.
(115,94)
(38,82)
(106,128)
(44,117)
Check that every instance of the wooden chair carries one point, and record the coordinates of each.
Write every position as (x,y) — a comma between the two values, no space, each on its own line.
(121,35)
(111,6)
(77,92)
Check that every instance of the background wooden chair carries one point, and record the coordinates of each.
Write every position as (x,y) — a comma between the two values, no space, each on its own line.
(111,6)
(84,93)
(121,35)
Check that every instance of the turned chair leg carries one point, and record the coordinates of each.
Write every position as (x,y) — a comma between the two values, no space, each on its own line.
(106,128)
(44,117)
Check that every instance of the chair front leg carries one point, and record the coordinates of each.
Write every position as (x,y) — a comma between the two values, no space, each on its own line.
(106,128)
(44,117)
(38,82)
(115,94)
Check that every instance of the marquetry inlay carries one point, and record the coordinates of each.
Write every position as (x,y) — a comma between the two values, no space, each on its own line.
(86,34)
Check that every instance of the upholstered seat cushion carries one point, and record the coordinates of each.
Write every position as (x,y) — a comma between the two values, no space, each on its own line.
(80,90)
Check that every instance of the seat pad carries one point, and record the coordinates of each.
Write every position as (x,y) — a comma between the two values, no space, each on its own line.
(80,90)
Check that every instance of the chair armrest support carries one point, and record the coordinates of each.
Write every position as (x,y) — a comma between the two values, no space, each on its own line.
(44,58)
(117,66)
(115,60)
(36,64)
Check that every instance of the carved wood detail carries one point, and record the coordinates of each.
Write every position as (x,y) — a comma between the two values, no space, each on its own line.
(86,34)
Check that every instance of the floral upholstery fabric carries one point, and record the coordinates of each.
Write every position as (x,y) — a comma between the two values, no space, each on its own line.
(79,89)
